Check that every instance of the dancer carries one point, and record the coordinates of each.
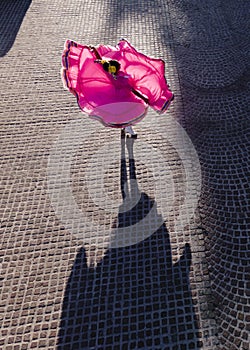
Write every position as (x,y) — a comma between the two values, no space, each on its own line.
(115,85)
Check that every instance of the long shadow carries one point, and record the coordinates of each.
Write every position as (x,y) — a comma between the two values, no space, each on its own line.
(211,48)
(135,298)
(11,17)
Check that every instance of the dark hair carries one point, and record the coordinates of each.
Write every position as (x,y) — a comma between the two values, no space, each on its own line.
(106,66)
(111,63)
(116,64)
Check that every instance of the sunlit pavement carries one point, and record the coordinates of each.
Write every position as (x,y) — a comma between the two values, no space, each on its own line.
(77,270)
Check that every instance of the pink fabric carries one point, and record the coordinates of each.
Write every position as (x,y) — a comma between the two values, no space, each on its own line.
(111,100)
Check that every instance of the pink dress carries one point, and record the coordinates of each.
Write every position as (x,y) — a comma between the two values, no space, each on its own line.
(116,101)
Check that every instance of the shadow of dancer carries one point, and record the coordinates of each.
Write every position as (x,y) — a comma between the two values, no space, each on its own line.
(135,298)
(11,17)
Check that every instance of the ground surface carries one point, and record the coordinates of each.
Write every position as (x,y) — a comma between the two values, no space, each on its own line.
(70,277)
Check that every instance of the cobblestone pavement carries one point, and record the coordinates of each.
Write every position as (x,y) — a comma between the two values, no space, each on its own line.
(186,285)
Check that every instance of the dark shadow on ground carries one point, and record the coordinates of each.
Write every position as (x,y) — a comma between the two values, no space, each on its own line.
(12,13)
(210,42)
(135,298)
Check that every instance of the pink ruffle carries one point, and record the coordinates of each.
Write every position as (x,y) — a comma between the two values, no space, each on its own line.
(112,100)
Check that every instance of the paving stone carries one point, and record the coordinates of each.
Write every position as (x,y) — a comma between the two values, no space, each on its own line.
(179,288)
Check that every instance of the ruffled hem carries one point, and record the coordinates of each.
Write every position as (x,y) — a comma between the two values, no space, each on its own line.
(141,79)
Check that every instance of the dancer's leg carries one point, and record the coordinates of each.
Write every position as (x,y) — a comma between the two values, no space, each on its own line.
(130,131)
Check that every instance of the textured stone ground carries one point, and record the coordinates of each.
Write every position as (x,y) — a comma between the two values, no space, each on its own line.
(186,285)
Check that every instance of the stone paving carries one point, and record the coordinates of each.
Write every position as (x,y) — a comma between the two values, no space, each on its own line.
(179,280)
